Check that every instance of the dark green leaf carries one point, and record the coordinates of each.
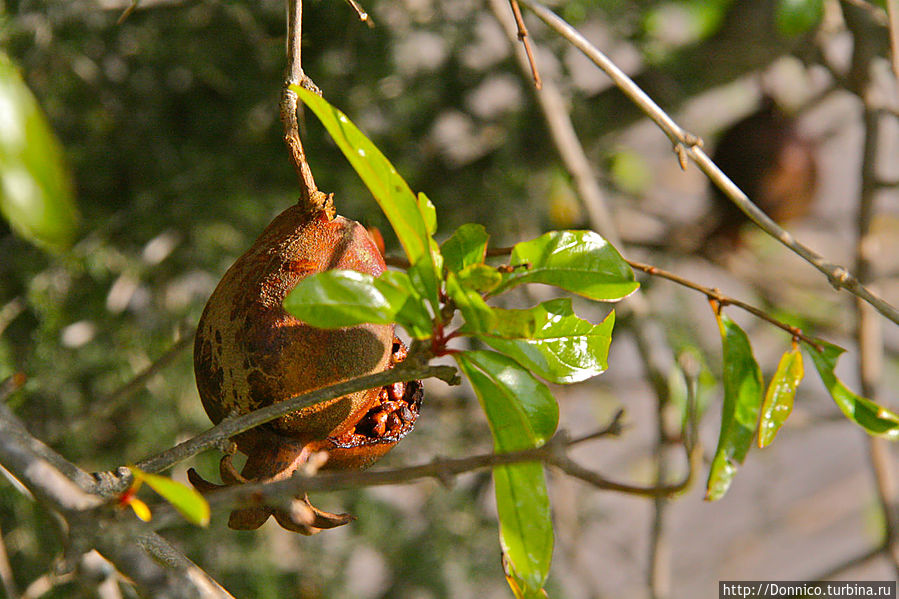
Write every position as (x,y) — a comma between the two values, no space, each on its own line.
(477,314)
(467,246)
(875,419)
(183,498)
(35,190)
(411,217)
(579,261)
(779,398)
(522,413)
(795,17)
(340,298)
(551,341)
(743,389)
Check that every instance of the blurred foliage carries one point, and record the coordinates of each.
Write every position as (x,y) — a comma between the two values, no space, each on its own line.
(169,123)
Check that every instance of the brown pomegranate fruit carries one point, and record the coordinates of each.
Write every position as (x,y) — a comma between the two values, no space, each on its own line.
(250,353)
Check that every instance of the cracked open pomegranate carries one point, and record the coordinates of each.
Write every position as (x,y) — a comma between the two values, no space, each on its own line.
(250,353)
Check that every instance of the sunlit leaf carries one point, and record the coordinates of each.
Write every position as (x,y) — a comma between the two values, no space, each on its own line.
(551,340)
(183,498)
(520,408)
(875,419)
(35,190)
(525,523)
(411,217)
(579,261)
(340,298)
(795,17)
(141,510)
(779,398)
(522,413)
(467,246)
(477,314)
(743,394)
(479,277)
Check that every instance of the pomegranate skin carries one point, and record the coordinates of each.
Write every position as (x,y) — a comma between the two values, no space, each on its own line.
(250,352)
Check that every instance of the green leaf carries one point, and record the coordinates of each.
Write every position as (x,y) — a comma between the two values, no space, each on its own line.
(779,399)
(413,312)
(412,218)
(522,413)
(579,261)
(521,410)
(35,190)
(479,277)
(183,498)
(339,298)
(551,340)
(525,523)
(795,17)
(875,419)
(477,314)
(467,246)
(743,388)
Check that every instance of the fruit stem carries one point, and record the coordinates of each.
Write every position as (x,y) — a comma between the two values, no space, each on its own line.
(310,196)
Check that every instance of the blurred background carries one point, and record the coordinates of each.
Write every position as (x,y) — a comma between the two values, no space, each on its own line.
(169,125)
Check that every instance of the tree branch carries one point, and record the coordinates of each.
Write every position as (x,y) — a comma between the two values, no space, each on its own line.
(687,145)
(552,454)
(219,434)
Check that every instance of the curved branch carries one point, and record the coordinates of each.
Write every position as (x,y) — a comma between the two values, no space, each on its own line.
(688,145)
(219,434)
(552,454)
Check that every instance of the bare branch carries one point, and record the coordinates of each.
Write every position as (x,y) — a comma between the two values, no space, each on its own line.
(229,427)
(691,146)
(552,453)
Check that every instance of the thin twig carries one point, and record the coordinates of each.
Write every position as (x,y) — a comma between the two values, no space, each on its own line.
(525,40)
(102,408)
(361,13)
(219,434)
(689,146)
(893,24)
(309,194)
(853,562)
(723,300)
(869,330)
(552,453)
(6,573)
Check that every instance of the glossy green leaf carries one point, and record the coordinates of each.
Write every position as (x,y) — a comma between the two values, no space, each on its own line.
(35,191)
(479,277)
(520,408)
(183,498)
(551,340)
(467,246)
(779,399)
(477,314)
(525,523)
(743,394)
(875,419)
(795,17)
(522,413)
(412,218)
(579,261)
(339,298)
(412,313)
